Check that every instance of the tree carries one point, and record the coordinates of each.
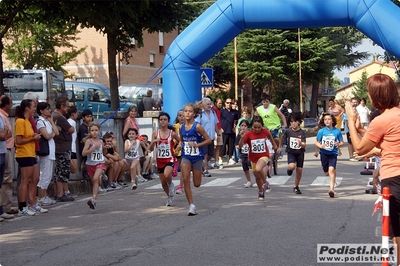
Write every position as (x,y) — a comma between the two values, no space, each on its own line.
(9,9)
(360,89)
(120,21)
(33,43)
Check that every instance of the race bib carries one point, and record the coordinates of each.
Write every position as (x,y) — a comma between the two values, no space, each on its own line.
(258,146)
(329,142)
(131,154)
(191,151)
(294,144)
(97,156)
(245,148)
(164,151)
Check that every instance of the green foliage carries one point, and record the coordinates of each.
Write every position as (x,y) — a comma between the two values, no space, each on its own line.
(335,82)
(34,43)
(360,89)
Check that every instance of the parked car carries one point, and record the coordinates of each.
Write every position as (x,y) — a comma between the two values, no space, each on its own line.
(135,92)
(93,96)
(310,122)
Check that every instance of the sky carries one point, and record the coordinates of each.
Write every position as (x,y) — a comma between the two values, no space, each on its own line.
(366,46)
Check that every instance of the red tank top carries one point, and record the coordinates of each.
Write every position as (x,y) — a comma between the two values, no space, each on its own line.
(165,150)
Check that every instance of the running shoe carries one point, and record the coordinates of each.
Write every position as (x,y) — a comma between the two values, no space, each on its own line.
(141,179)
(171,189)
(38,209)
(206,173)
(26,212)
(231,162)
(104,177)
(45,201)
(331,193)
(209,166)
(296,190)
(248,184)
(133,186)
(65,198)
(267,187)
(179,190)
(192,210)
(170,201)
(122,183)
(6,216)
(218,166)
(261,195)
(92,203)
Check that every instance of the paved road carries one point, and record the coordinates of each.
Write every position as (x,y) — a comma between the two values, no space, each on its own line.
(233,227)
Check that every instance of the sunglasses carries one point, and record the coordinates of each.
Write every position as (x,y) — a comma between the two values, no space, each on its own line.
(228,102)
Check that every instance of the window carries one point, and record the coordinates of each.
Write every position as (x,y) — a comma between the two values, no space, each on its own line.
(161,42)
(152,60)
(133,43)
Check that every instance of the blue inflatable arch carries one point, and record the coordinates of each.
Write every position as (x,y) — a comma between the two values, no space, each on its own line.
(225,19)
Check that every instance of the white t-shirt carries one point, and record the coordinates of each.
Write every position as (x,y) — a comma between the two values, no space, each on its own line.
(42,122)
(363,112)
(73,144)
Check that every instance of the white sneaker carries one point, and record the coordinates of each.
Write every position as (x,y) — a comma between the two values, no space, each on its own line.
(1,219)
(170,201)
(171,189)
(6,216)
(192,210)
(218,166)
(248,184)
(26,212)
(231,162)
(46,201)
(38,209)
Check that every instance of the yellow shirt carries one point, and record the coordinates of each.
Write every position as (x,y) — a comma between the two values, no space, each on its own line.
(24,128)
(177,126)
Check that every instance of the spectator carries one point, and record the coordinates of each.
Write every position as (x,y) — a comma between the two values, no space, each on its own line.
(285,110)
(383,132)
(63,148)
(71,116)
(148,101)
(87,118)
(48,130)
(229,119)
(336,110)
(25,138)
(208,120)
(218,137)
(5,133)
(131,121)
(6,189)
(364,113)
(350,148)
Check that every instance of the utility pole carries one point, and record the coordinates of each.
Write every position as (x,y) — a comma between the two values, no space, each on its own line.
(300,81)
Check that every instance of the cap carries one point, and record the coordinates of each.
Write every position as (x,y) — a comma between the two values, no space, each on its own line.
(286,101)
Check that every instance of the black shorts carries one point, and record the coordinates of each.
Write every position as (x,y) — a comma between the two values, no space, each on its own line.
(327,161)
(161,170)
(209,149)
(348,137)
(142,160)
(393,184)
(298,159)
(26,161)
(73,156)
(245,163)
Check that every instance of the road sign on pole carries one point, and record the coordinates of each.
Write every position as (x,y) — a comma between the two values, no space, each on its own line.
(206,77)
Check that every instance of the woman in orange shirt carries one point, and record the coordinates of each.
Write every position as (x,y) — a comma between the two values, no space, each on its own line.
(383,132)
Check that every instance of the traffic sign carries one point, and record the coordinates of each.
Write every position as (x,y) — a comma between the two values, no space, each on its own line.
(206,77)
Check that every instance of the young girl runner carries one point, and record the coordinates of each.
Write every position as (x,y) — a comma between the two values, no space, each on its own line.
(328,140)
(296,139)
(95,166)
(131,149)
(244,152)
(163,139)
(178,122)
(258,152)
(192,138)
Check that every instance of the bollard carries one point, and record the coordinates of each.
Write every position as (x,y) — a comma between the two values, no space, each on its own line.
(385,224)
(368,166)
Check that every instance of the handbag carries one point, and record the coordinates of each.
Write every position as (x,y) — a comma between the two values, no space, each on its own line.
(44,149)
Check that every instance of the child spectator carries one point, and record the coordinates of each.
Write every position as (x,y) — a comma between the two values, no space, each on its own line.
(114,163)
(87,118)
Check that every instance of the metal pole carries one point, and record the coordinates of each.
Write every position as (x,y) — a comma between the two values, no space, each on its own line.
(385,224)
(300,81)
(236,70)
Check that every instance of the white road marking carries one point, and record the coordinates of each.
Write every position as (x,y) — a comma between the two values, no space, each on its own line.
(324,181)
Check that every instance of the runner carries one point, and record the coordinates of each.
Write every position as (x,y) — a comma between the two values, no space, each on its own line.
(258,153)
(296,143)
(131,149)
(328,140)
(163,139)
(244,152)
(192,138)
(178,122)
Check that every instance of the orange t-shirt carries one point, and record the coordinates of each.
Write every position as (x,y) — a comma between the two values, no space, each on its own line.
(384,130)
